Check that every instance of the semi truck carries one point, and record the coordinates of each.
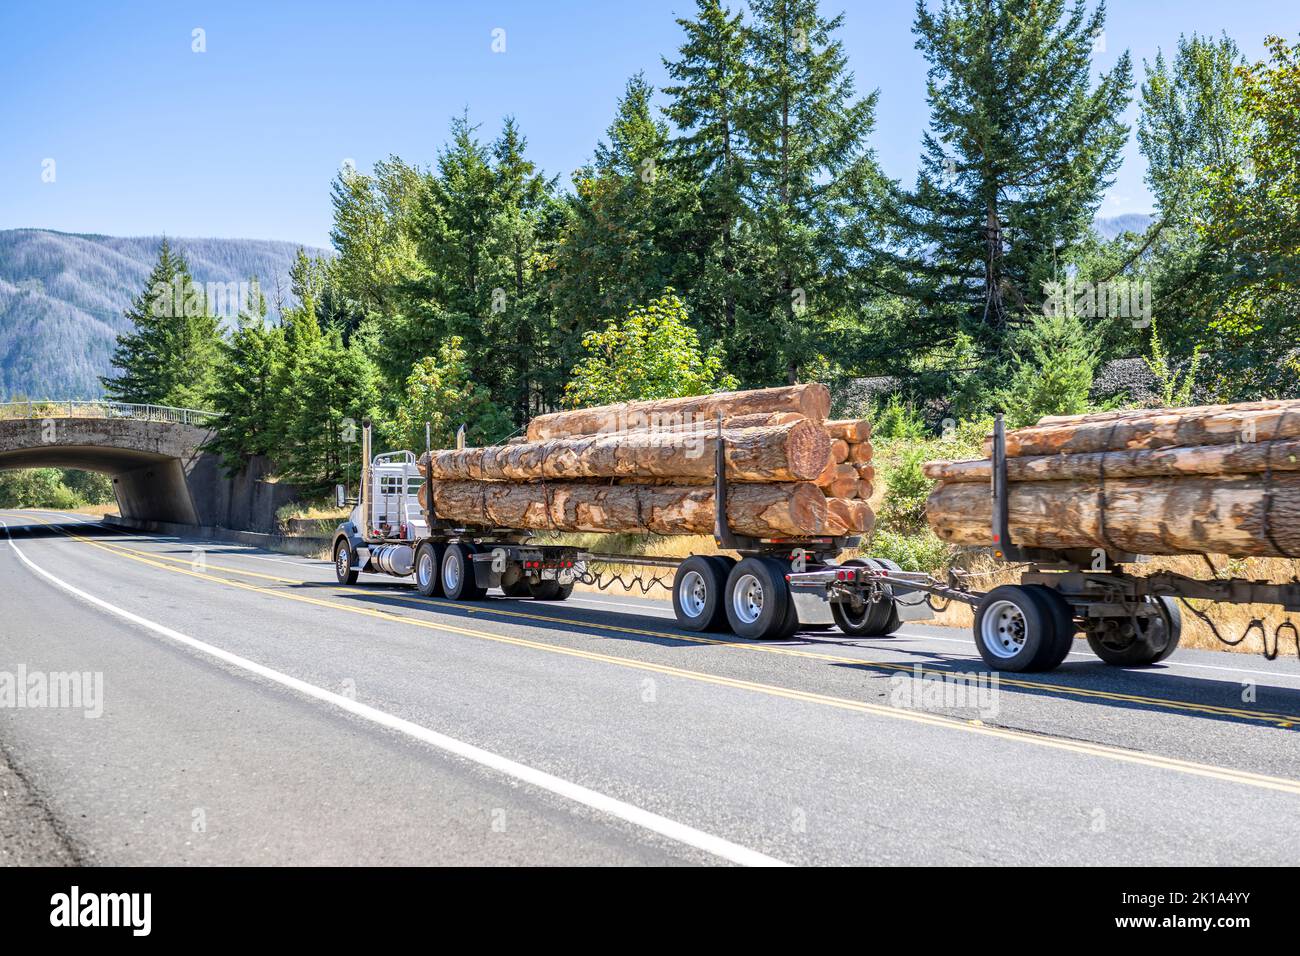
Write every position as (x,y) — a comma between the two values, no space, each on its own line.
(777,587)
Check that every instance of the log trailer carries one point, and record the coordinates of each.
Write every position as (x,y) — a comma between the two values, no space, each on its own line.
(779,586)
(1129,620)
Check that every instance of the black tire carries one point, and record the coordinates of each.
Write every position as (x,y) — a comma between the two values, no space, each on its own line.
(1152,645)
(516,589)
(428,569)
(871,620)
(699,593)
(344,559)
(1015,628)
(1064,630)
(458,581)
(758,599)
(550,591)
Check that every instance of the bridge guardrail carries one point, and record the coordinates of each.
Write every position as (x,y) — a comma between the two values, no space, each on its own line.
(76,408)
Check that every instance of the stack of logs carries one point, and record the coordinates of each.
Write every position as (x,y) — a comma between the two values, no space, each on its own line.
(649,467)
(1218,479)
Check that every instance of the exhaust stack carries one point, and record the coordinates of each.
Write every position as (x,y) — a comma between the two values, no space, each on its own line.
(363,495)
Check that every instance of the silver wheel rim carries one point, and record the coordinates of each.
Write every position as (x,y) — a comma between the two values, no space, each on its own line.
(1003,629)
(424,571)
(693,594)
(747,598)
(342,562)
(450,572)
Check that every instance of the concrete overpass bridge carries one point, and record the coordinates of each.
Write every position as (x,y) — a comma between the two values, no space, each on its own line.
(154,454)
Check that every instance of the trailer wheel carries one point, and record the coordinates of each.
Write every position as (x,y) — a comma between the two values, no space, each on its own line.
(1015,629)
(699,589)
(1155,638)
(518,588)
(428,569)
(758,599)
(878,619)
(458,582)
(550,591)
(1055,651)
(343,561)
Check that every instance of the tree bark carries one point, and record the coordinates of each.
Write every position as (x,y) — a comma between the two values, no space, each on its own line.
(1160,428)
(772,510)
(1225,514)
(794,452)
(852,430)
(1280,455)
(812,401)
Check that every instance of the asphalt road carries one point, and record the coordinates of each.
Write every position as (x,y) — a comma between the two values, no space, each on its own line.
(252,711)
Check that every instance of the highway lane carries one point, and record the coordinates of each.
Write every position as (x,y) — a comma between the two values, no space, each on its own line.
(792,750)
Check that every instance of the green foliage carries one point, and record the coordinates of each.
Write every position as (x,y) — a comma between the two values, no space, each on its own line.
(906,489)
(897,420)
(1176,389)
(654,353)
(36,488)
(246,395)
(1052,370)
(335,390)
(441,391)
(919,551)
(1022,143)
(88,487)
(169,356)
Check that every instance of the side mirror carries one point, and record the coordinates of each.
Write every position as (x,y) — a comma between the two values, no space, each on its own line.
(341,495)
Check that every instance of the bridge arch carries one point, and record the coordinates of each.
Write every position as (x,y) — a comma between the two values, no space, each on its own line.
(154,455)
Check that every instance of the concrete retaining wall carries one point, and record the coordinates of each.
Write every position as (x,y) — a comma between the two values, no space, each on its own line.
(310,547)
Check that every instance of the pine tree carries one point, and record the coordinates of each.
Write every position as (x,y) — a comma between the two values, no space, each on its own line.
(712,84)
(169,355)
(443,391)
(337,389)
(1022,144)
(623,243)
(813,183)
(246,393)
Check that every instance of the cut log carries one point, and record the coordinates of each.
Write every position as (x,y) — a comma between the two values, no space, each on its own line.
(867,472)
(840,450)
(812,401)
(794,452)
(1260,456)
(845,484)
(1149,412)
(1225,514)
(860,452)
(850,429)
(1161,428)
(866,516)
(865,490)
(762,511)
(827,475)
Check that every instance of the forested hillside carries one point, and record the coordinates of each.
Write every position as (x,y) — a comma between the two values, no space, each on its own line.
(62,299)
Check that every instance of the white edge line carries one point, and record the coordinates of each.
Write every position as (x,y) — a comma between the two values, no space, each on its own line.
(645,819)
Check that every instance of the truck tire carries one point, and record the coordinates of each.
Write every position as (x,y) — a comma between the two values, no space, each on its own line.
(699,589)
(428,569)
(1015,628)
(871,620)
(343,561)
(550,591)
(1153,643)
(517,588)
(758,600)
(458,581)
(1064,628)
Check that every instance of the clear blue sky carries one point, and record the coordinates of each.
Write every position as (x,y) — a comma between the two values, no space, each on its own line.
(242,140)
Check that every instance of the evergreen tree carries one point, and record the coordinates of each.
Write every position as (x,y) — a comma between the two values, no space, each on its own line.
(1053,362)
(337,390)
(812,186)
(246,394)
(444,392)
(169,355)
(712,84)
(1021,145)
